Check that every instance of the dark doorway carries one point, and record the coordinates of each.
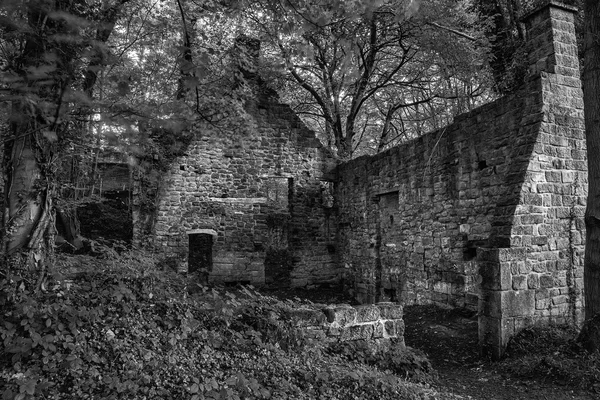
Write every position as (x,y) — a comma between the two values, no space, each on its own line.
(200,252)
(278,265)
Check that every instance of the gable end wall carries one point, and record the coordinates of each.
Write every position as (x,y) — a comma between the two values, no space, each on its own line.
(261,191)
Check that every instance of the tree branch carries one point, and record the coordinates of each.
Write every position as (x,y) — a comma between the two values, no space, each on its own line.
(452,30)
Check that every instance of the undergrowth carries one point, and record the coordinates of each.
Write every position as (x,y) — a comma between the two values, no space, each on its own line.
(403,361)
(124,326)
(552,354)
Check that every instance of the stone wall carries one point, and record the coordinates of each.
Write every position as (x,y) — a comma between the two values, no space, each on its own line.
(262,192)
(344,322)
(486,213)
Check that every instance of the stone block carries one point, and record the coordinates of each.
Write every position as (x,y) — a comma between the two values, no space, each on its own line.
(495,276)
(340,316)
(519,282)
(442,287)
(489,303)
(525,267)
(502,304)
(562,299)
(367,313)
(546,281)
(399,328)
(533,281)
(378,330)
(542,304)
(390,310)
(357,332)
(494,334)
(390,328)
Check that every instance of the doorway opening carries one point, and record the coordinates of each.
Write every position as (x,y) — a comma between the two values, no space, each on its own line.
(200,256)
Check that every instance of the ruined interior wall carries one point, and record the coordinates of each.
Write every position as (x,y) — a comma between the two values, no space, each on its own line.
(539,279)
(412,218)
(262,191)
(486,213)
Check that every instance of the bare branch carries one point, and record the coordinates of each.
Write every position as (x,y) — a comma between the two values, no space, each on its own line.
(452,30)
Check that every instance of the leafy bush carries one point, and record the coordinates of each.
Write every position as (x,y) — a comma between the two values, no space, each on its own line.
(127,327)
(391,356)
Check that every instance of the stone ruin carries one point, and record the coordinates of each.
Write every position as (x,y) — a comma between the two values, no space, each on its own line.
(373,322)
(485,214)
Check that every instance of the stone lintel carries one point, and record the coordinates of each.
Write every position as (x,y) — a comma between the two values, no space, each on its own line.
(203,231)
(391,190)
(238,200)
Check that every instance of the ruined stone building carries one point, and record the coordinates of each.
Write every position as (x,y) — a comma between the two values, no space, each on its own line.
(252,205)
(486,213)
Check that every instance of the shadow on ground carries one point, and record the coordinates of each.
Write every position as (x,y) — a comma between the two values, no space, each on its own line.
(449,338)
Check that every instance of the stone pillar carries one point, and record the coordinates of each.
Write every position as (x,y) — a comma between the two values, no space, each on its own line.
(551,40)
(247,53)
(504,308)
(508,291)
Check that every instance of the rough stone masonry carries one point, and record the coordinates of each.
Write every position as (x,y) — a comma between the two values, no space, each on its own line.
(486,213)
(251,205)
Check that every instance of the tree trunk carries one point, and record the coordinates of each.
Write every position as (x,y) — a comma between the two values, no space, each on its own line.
(29,164)
(44,71)
(28,215)
(591,87)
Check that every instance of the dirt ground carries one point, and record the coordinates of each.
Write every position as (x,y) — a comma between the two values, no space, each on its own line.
(450,340)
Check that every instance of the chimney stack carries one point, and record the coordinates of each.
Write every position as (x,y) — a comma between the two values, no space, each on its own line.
(246,54)
(551,40)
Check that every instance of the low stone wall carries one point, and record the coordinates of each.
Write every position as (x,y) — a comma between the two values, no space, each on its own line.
(344,322)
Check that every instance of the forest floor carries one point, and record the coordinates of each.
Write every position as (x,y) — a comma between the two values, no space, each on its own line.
(450,340)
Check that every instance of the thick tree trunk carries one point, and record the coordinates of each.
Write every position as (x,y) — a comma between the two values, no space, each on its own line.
(28,215)
(591,86)
(28,229)
(42,74)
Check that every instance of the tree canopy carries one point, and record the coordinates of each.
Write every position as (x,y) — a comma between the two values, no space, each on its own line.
(138,75)
(368,75)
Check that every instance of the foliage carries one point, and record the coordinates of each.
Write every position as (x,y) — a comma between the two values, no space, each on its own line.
(406,362)
(125,326)
(368,74)
(552,354)
(507,37)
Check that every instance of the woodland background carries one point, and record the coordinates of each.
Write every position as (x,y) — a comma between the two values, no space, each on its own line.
(82,78)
